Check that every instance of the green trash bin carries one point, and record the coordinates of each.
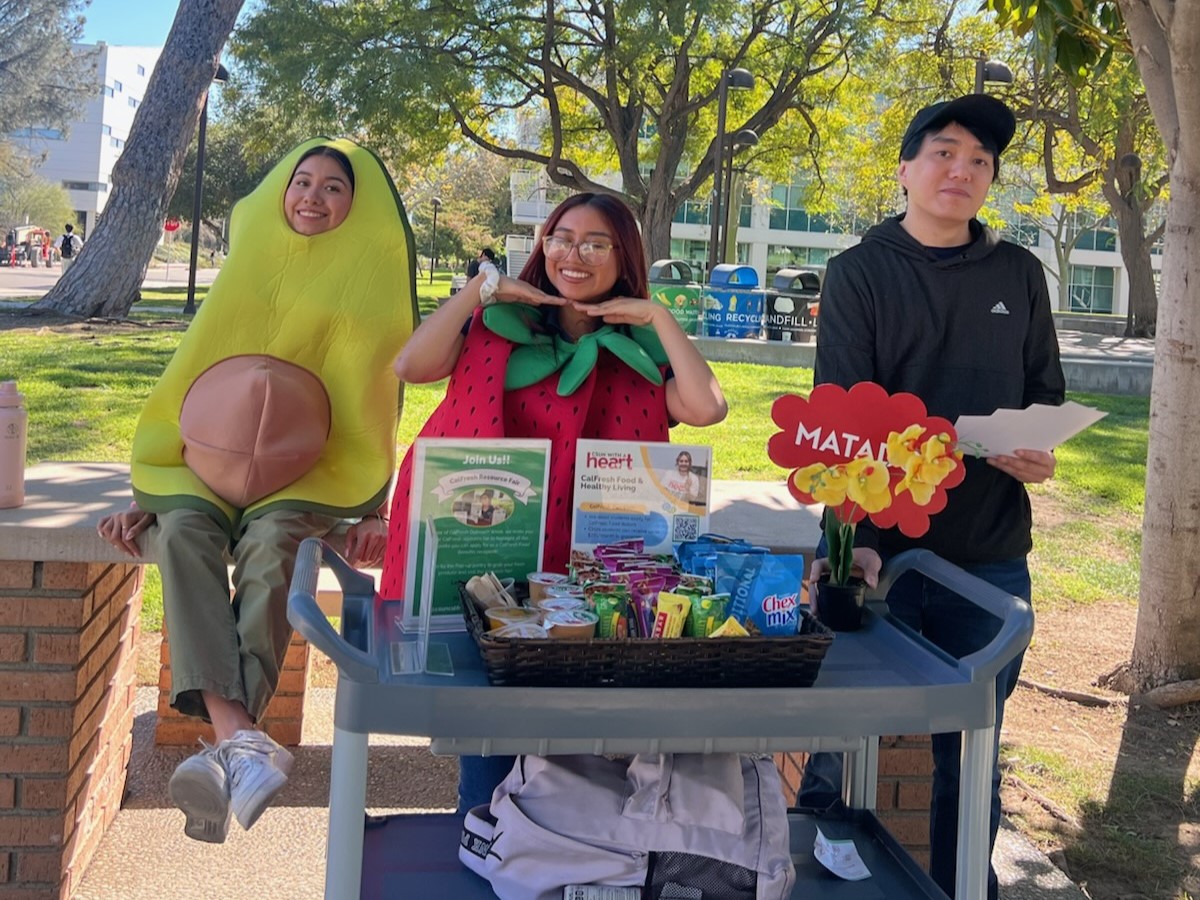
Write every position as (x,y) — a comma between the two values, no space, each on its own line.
(672,285)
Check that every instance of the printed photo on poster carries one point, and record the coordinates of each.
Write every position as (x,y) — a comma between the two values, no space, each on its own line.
(487,502)
(656,491)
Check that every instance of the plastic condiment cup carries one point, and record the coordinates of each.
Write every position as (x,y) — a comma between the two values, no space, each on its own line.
(539,581)
(499,616)
(571,624)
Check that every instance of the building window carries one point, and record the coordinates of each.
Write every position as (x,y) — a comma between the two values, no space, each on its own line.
(693,212)
(141,70)
(106,90)
(106,129)
(1091,289)
(116,142)
(788,212)
(782,256)
(694,253)
(1094,235)
(133,103)
(48,134)
(117,86)
(84,186)
(1023,232)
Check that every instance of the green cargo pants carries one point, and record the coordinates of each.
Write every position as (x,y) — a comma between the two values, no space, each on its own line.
(233,649)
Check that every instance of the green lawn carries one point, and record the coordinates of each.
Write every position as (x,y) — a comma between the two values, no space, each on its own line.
(84,392)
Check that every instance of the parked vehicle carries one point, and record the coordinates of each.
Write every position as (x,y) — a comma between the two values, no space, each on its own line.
(27,245)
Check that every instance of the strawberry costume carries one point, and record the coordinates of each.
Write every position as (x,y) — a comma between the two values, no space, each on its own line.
(518,376)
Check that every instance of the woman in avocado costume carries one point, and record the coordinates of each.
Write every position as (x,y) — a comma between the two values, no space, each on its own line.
(573,348)
(274,421)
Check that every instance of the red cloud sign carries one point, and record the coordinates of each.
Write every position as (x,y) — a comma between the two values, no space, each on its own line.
(836,426)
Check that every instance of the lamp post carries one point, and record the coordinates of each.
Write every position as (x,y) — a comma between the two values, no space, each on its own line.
(742,80)
(747,137)
(437,204)
(189,308)
(991,70)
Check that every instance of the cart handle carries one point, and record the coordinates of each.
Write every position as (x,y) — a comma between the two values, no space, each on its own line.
(306,617)
(1015,614)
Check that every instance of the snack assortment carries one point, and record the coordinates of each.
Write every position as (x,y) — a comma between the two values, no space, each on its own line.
(615,591)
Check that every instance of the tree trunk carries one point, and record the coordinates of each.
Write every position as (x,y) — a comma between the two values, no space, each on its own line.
(1167,644)
(105,279)
(656,224)
(1166,647)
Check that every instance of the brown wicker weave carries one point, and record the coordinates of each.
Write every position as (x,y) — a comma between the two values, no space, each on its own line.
(784,661)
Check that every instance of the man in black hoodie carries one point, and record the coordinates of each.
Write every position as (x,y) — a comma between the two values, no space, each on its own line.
(934,303)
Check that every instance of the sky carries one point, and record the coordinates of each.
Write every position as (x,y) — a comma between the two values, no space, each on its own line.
(137,23)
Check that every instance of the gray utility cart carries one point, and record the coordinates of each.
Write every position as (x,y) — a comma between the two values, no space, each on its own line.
(878,681)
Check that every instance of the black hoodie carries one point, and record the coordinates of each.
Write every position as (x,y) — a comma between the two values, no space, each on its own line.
(969,334)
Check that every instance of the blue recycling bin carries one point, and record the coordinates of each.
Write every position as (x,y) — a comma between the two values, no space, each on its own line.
(733,302)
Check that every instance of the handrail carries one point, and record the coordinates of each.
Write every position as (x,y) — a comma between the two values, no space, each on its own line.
(306,616)
(1015,614)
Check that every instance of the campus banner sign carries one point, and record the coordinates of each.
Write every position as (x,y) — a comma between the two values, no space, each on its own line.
(487,501)
(655,491)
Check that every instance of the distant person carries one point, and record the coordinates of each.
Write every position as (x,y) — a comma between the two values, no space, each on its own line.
(486,255)
(69,246)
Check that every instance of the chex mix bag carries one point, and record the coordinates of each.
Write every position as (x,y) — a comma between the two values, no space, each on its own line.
(694,826)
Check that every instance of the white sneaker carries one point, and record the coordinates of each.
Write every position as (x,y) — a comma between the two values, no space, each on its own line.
(257,769)
(200,788)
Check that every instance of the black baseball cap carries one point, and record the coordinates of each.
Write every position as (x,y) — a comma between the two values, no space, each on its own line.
(981,114)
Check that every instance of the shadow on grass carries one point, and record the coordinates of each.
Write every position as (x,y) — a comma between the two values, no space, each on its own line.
(1143,841)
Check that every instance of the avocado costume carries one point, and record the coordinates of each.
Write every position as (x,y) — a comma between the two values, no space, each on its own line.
(339,305)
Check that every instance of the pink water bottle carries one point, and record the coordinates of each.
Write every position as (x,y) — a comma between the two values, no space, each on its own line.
(13,425)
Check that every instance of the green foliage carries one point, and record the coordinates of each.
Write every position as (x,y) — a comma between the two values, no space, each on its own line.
(630,87)
(45,81)
(25,197)
(1079,37)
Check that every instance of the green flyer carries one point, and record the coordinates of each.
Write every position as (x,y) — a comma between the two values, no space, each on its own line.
(486,500)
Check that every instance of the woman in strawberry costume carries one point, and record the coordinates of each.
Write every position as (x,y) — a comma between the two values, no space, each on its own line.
(573,348)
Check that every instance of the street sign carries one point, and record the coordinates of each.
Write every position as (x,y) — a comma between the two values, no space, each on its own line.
(171,225)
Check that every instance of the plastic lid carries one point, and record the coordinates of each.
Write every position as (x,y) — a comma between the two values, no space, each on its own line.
(9,395)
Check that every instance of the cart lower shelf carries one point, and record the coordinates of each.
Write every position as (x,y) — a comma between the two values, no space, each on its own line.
(417,856)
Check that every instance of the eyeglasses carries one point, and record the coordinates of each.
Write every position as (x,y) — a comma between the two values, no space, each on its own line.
(591,253)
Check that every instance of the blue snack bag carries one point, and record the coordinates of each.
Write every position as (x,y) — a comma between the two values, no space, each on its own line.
(764,587)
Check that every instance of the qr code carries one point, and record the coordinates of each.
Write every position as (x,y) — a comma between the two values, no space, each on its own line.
(685,528)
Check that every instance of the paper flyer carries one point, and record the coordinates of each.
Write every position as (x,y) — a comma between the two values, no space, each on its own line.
(486,499)
(1038,427)
(656,491)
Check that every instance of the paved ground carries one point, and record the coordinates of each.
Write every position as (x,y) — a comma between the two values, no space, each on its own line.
(27,282)
(145,855)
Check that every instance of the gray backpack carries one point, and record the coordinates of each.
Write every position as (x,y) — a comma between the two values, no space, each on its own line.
(688,826)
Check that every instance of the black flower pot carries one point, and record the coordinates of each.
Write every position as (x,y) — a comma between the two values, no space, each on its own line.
(840,606)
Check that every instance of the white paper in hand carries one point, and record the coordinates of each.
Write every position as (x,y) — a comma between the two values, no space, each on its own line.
(1039,427)
(840,857)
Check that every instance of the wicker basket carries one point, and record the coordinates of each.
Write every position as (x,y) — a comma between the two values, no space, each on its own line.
(784,661)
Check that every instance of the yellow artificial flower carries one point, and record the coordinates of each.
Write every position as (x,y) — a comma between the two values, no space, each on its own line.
(826,484)
(902,446)
(925,471)
(869,483)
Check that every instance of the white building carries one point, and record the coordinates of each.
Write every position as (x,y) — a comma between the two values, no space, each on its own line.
(82,158)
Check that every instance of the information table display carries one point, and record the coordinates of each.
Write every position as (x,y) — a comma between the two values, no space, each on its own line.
(881,680)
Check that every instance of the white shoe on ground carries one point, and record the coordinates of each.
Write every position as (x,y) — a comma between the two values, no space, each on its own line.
(200,788)
(257,769)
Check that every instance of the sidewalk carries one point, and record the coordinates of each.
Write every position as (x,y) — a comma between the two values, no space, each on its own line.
(27,282)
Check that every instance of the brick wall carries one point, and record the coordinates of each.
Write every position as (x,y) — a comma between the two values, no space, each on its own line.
(68,654)
(903,789)
(284,716)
